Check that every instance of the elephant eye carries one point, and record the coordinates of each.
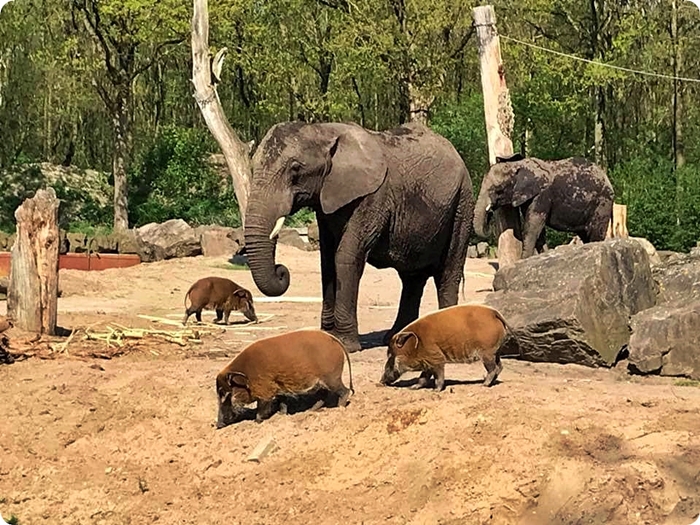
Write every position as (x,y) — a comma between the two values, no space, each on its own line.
(295,169)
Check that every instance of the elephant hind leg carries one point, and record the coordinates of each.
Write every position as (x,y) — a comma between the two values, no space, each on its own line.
(451,270)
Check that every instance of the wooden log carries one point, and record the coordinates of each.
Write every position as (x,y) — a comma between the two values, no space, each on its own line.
(32,299)
(264,447)
(206,72)
(498,114)
(617,227)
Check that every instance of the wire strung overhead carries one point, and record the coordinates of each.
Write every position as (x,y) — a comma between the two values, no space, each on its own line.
(601,64)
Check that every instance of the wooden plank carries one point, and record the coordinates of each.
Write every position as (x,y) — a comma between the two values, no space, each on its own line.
(263,448)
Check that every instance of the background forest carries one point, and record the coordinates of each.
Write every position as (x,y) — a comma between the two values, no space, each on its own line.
(105,84)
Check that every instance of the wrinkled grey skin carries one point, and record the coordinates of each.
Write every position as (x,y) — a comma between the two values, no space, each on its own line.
(572,195)
(398,199)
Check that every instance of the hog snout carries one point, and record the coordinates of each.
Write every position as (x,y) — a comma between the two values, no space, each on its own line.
(250,314)
(391,374)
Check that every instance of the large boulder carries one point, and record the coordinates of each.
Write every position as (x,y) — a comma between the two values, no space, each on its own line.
(666,339)
(175,237)
(314,239)
(219,241)
(292,237)
(573,304)
(678,279)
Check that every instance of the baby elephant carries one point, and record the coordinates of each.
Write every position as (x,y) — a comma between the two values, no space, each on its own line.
(222,295)
(291,364)
(459,334)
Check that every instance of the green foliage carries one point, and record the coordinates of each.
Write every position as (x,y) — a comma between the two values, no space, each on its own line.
(662,206)
(301,218)
(77,205)
(687,382)
(174,180)
(462,123)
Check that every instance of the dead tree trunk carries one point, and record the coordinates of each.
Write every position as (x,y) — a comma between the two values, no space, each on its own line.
(499,125)
(32,299)
(206,72)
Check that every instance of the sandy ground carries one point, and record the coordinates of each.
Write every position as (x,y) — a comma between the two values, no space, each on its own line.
(132,440)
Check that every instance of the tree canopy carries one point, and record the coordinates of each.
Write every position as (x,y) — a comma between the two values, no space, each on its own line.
(69,71)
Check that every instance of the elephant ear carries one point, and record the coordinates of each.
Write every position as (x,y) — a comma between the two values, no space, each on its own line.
(529,182)
(358,168)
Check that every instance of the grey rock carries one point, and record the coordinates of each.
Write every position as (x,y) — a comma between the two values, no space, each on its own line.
(291,237)
(77,242)
(654,257)
(217,241)
(312,233)
(472,252)
(678,279)
(482,249)
(238,238)
(573,304)
(175,237)
(666,340)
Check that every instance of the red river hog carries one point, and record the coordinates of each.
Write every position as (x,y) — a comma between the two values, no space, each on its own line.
(291,364)
(222,295)
(458,334)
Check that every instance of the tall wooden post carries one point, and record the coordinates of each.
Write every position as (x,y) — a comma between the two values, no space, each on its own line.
(206,73)
(32,297)
(498,113)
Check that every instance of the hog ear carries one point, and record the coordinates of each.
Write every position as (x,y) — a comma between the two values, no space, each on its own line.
(242,293)
(404,337)
(237,379)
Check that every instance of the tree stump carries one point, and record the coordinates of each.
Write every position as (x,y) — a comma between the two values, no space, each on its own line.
(499,117)
(32,299)
(617,227)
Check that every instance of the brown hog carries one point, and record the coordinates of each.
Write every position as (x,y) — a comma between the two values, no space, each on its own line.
(222,295)
(459,334)
(291,364)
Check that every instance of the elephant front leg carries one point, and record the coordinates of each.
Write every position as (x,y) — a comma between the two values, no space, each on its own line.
(535,222)
(349,265)
(409,307)
(328,247)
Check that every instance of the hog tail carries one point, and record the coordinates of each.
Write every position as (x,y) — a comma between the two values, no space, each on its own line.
(347,357)
(187,296)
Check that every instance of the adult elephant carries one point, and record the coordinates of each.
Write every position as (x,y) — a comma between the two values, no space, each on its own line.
(400,199)
(572,195)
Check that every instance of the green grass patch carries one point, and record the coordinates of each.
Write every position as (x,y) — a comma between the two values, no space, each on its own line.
(229,266)
(89,230)
(687,382)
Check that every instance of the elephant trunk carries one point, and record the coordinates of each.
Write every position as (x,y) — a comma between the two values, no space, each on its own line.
(271,279)
(482,213)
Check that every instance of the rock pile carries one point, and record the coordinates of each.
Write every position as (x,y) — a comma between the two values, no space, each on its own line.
(592,303)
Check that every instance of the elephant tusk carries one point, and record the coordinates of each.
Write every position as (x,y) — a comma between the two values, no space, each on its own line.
(489,207)
(278,228)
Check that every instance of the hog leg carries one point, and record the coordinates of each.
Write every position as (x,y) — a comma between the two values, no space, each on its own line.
(423,380)
(439,372)
(219,315)
(265,410)
(493,368)
(188,312)
(227,313)
(343,394)
(198,315)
